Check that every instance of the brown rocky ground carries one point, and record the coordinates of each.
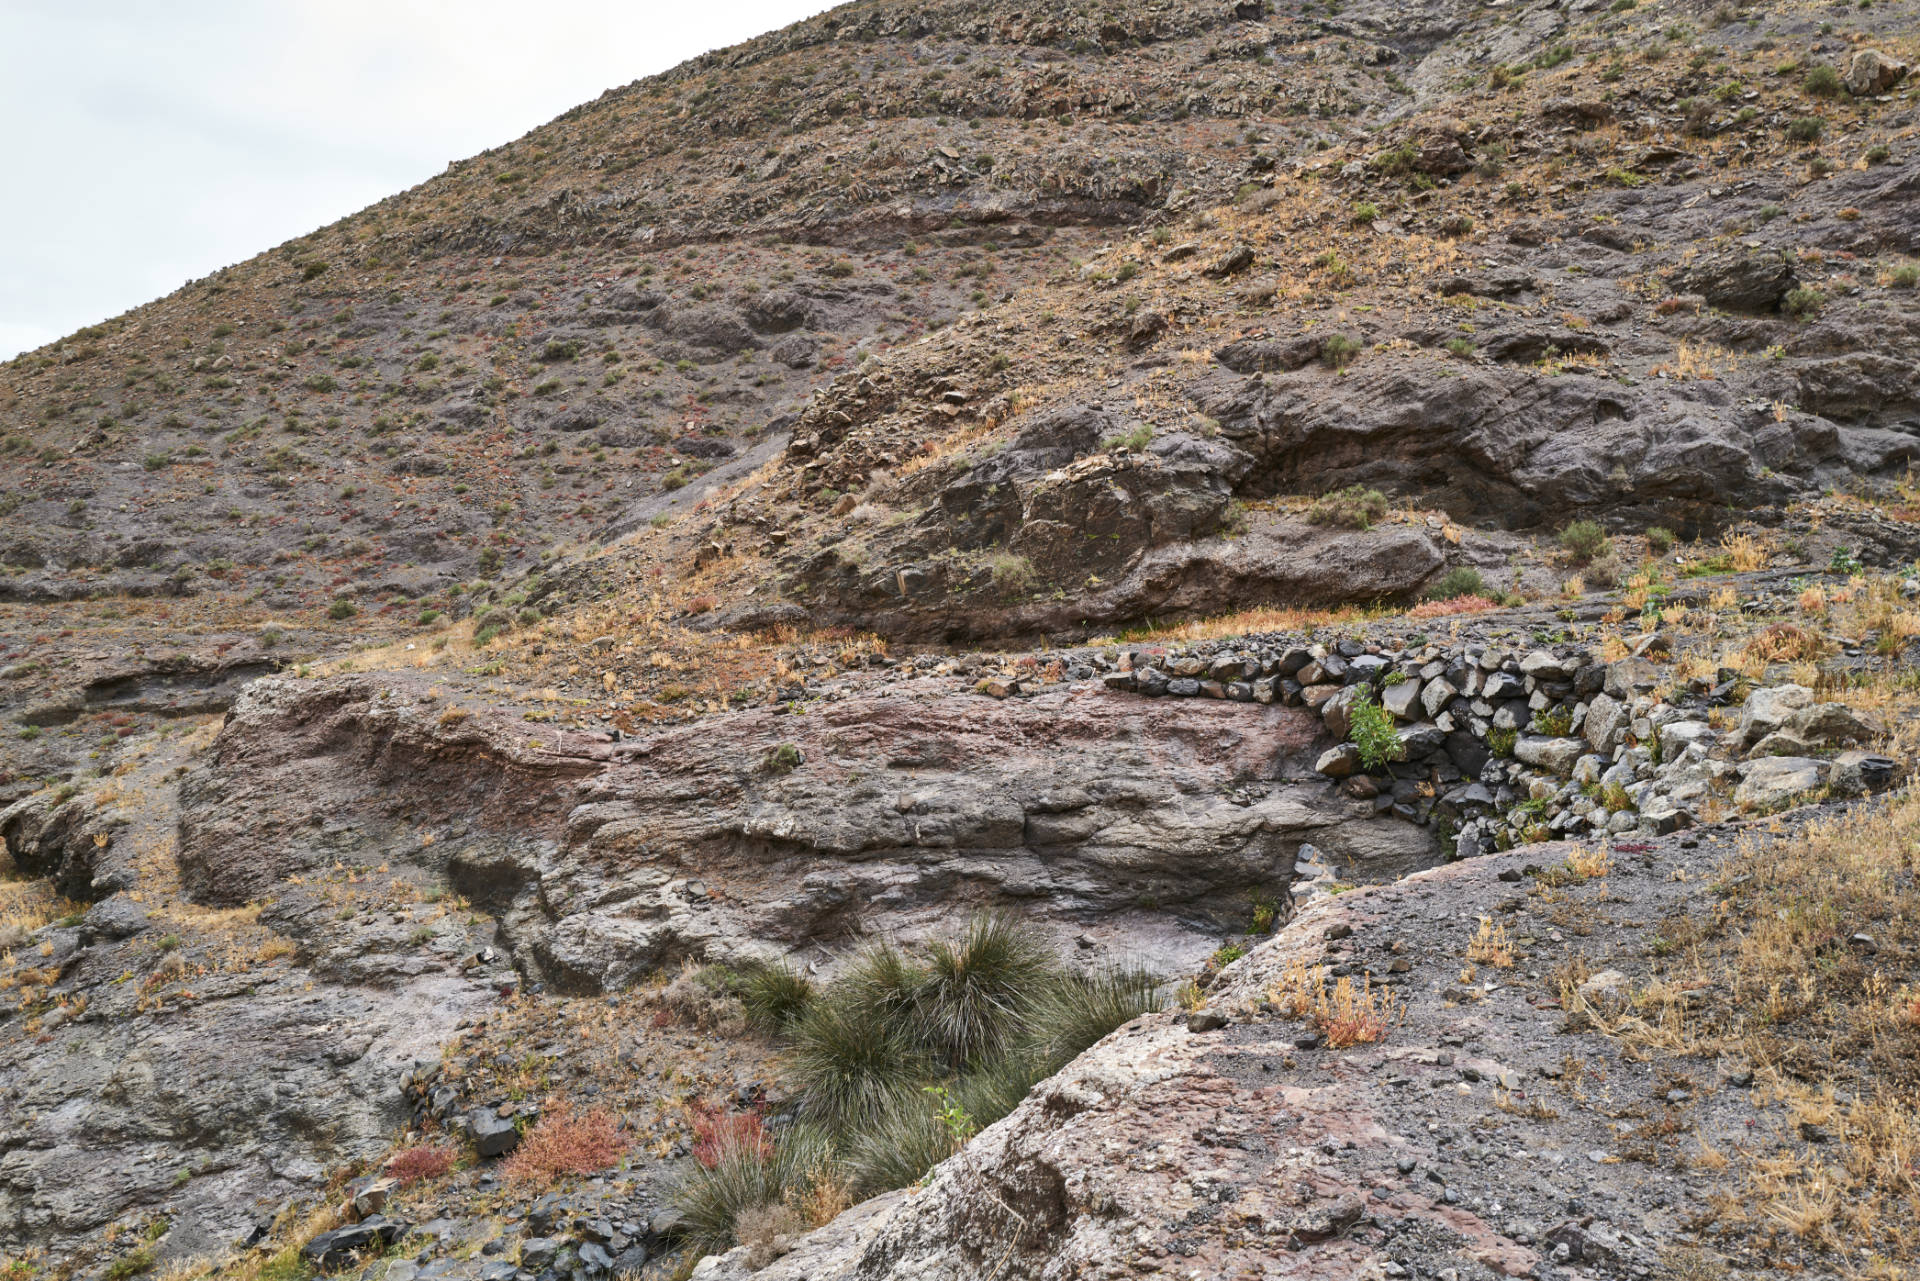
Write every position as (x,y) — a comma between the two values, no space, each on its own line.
(901,467)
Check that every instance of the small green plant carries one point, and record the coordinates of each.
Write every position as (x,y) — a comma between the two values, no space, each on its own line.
(784,759)
(1806,129)
(1462,347)
(1500,741)
(1554,722)
(131,1264)
(342,608)
(1365,213)
(1804,302)
(1134,441)
(1355,507)
(1461,580)
(1370,729)
(1339,351)
(1906,277)
(1659,540)
(1844,561)
(1584,540)
(1012,574)
(1225,955)
(1822,82)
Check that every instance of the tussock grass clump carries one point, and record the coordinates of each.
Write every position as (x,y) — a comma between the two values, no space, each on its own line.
(899,1062)
(739,1169)
(981,989)
(774,995)
(1078,1011)
(853,1062)
(902,1144)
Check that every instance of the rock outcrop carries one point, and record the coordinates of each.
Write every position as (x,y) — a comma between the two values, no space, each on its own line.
(756,832)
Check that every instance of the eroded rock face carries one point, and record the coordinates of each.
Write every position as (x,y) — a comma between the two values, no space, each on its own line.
(68,841)
(1094,812)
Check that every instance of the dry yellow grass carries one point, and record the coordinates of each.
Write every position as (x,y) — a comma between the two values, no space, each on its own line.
(1812,952)
(1270,618)
(1490,945)
(1347,1013)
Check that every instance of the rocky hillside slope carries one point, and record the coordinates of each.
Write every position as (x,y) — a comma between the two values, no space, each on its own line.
(1376,543)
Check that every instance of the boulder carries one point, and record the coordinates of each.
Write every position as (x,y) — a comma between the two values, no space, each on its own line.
(1873,72)
(1555,755)
(1862,773)
(113,918)
(1606,718)
(1403,700)
(1778,780)
(333,1249)
(1819,725)
(1767,710)
(1338,762)
(1545,665)
(1676,736)
(1738,280)
(493,1134)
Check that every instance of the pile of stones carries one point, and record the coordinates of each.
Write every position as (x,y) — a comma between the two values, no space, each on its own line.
(1498,746)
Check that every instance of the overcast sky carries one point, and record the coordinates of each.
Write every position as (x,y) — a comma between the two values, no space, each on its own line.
(149,142)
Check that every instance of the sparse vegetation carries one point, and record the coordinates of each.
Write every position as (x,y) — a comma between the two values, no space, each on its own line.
(900,1060)
(1355,507)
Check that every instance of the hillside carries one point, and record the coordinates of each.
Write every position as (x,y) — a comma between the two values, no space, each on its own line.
(970,639)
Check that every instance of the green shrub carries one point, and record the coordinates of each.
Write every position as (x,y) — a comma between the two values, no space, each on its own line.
(784,759)
(1366,212)
(1822,82)
(1462,347)
(774,995)
(1803,302)
(1370,729)
(1462,580)
(1660,540)
(1500,741)
(1355,507)
(1806,129)
(1339,351)
(1905,277)
(1012,574)
(1135,440)
(1584,540)
(342,608)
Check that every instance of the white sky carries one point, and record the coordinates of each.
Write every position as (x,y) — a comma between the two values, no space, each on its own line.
(149,142)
